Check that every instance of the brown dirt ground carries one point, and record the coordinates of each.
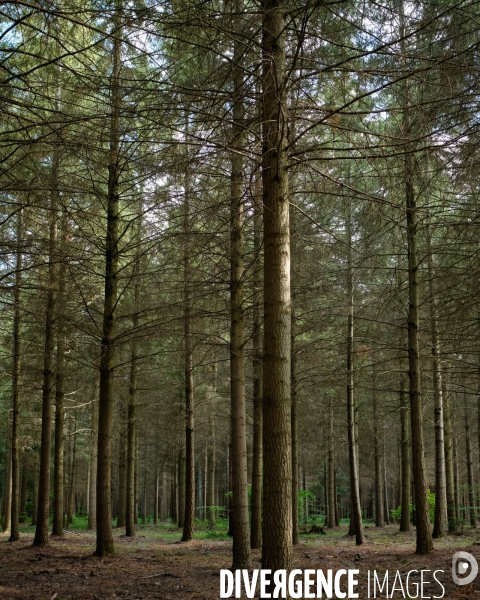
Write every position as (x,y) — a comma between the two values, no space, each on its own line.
(148,567)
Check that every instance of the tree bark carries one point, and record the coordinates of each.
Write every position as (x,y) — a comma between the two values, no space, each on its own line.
(105,545)
(449,470)
(211,447)
(122,475)
(58,482)
(43,505)
(181,488)
(405,453)
(92,503)
(356,510)
(238,433)
(331,470)
(379,515)
(257,460)
(468,450)
(15,467)
(277,501)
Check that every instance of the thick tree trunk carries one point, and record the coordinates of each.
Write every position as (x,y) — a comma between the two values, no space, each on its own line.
(92,502)
(257,459)
(43,506)
(293,387)
(277,501)
(105,543)
(241,525)
(15,467)
(58,482)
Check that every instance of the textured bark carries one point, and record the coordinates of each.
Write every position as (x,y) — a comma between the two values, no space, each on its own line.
(238,433)
(405,454)
(15,467)
(277,501)
(189,514)
(211,447)
(43,505)
(293,387)
(331,470)
(105,543)
(181,488)
(449,471)
(122,476)
(72,474)
(379,504)
(58,482)
(422,512)
(92,502)
(356,510)
(440,480)
(468,450)
(257,459)
(130,508)
(7,502)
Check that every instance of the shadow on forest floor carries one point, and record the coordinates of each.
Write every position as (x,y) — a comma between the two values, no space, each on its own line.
(154,565)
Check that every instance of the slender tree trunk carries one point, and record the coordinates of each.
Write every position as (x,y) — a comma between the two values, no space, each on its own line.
(440,479)
(43,506)
(257,460)
(181,488)
(449,464)
(58,483)
(15,513)
(356,516)
(405,452)
(7,503)
(335,495)
(189,515)
(92,513)
(35,493)
(241,526)
(71,487)
(211,447)
(471,491)
(130,509)
(122,475)
(379,516)
(277,500)
(331,470)
(422,511)
(105,543)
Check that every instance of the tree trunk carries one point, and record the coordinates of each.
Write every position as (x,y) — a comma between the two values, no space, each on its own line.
(468,449)
(449,470)
(405,453)
(181,488)
(293,387)
(331,470)
(241,526)
(58,482)
(356,510)
(189,515)
(43,505)
(440,482)
(71,487)
(15,468)
(122,475)
(92,503)
(379,515)
(211,447)
(422,511)
(131,456)
(277,501)
(7,502)
(257,460)
(105,543)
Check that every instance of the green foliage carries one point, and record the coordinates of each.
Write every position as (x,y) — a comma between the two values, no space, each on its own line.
(397,512)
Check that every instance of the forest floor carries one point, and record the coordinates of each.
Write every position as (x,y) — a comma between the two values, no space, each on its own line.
(155,565)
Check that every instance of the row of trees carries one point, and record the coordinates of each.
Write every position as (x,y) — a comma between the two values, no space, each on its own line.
(217,219)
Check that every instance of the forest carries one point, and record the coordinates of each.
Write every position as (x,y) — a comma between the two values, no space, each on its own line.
(239,289)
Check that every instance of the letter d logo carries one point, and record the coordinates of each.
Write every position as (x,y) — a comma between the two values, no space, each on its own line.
(460,563)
